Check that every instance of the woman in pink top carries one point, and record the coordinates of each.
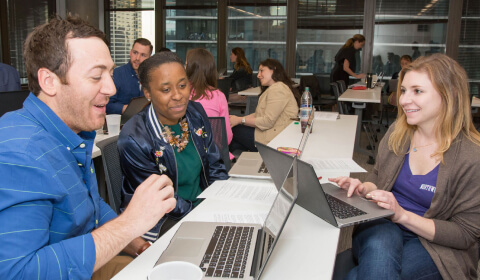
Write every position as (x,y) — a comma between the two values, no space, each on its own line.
(202,74)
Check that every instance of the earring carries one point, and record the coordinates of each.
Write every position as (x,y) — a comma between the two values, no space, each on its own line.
(148,99)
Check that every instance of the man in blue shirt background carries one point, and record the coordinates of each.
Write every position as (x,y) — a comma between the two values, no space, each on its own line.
(9,78)
(126,77)
(54,223)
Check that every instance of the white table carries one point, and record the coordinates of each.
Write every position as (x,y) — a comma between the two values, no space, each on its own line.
(307,247)
(361,96)
(252,96)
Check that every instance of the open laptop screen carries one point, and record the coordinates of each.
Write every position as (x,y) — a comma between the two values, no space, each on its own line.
(277,217)
(306,133)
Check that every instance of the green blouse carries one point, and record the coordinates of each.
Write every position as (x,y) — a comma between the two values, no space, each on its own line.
(189,167)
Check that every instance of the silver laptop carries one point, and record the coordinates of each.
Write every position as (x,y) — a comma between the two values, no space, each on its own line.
(331,203)
(208,244)
(253,164)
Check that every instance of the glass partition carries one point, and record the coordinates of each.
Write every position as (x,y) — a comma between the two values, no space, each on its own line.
(191,26)
(412,28)
(259,29)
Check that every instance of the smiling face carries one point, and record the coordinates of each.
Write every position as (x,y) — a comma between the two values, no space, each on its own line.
(419,100)
(81,102)
(265,76)
(169,91)
(138,54)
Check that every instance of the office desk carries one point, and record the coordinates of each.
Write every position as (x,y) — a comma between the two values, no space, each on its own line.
(252,96)
(307,247)
(361,96)
(302,245)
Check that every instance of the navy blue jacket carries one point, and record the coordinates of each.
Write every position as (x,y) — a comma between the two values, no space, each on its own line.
(143,152)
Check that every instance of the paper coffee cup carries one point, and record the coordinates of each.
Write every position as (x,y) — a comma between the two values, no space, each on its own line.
(113,124)
(177,270)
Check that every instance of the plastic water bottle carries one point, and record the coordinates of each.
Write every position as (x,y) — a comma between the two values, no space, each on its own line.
(306,108)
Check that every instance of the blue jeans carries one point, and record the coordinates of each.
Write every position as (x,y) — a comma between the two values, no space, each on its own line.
(385,251)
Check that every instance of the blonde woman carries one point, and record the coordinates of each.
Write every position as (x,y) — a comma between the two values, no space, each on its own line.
(427,172)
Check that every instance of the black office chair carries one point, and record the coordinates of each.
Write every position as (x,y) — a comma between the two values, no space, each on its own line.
(319,99)
(340,105)
(12,100)
(219,133)
(342,86)
(113,171)
(224,86)
(135,105)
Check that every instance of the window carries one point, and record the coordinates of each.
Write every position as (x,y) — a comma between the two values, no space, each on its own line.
(323,28)
(469,48)
(129,20)
(260,30)
(23,16)
(191,26)
(412,28)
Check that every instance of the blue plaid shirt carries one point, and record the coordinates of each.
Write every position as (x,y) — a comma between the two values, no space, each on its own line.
(49,197)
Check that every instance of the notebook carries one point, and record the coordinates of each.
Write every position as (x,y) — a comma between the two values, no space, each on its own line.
(252,164)
(331,203)
(207,244)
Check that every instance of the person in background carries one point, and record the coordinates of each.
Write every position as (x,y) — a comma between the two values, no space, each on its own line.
(277,104)
(345,62)
(54,223)
(416,53)
(126,77)
(242,72)
(405,60)
(9,78)
(427,173)
(202,74)
(163,49)
(171,136)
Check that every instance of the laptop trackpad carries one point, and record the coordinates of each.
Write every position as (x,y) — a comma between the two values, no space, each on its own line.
(185,247)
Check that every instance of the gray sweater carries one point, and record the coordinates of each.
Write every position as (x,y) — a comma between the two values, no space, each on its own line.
(455,207)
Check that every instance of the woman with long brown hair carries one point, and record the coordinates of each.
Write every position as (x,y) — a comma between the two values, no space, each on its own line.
(427,173)
(345,62)
(202,74)
(277,104)
(242,72)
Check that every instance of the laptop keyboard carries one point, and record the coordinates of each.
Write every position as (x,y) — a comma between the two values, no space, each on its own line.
(342,210)
(227,252)
(263,168)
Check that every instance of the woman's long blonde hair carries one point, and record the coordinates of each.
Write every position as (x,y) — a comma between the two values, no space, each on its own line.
(450,80)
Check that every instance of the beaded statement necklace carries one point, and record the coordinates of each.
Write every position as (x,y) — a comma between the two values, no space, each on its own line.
(176,140)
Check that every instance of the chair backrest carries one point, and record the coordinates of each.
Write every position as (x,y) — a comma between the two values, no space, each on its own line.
(224,86)
(113,171)
(135,106)
(254,80)
(336,92)
(342,86)
(12,100)
(219,133)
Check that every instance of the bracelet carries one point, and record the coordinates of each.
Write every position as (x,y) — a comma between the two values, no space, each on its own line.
(143,248)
